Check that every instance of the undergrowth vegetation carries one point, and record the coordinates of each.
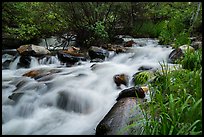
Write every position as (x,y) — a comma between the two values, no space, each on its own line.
(176,103)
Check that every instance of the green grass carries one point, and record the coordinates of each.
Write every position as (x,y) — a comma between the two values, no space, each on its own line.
(176,103)
(192,60)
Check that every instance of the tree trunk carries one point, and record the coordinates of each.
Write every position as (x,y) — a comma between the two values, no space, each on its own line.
(46,44)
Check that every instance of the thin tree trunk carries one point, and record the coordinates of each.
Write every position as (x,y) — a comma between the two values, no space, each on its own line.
(194,17)
(131,16)
(106,16)
(198,9)
(46,44)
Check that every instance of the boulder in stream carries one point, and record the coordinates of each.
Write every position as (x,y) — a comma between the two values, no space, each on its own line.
(117,40)
(120,79)
(97,52)
(131,92)
(6,60)
(70,57)
(178,53)
(32,50)
(125,112)
(115,48)
(24,61)
(129,43)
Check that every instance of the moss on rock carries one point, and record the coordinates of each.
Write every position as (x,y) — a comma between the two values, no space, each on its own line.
(142,77)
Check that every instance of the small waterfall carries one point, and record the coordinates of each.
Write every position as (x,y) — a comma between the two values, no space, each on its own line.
(13,65)
(49,60)
(69,100)
(34,62)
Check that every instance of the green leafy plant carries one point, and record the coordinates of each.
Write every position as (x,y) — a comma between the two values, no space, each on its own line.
(142,77)
(192,60)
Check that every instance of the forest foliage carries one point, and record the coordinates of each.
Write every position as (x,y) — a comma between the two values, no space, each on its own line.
(98,22)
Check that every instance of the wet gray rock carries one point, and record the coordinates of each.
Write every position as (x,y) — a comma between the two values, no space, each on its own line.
(16,96)
(178,53)
(175,54)
(5,64)
(124,113)
(145,68)
(121,79)
(97,52)
(40,73)
(69,58)
(131,92)
(24,62)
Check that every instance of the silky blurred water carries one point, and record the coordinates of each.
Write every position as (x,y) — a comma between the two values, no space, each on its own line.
(74,100)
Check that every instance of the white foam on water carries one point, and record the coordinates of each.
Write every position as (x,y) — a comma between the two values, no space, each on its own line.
(85,93)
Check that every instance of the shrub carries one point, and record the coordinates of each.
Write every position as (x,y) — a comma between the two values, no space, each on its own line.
(147,28)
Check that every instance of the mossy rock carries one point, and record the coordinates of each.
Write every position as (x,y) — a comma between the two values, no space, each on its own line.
(142,77)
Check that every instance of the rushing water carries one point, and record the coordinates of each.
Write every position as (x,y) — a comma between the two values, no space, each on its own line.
(74,100)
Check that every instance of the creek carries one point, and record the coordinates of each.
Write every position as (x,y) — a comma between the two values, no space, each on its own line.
(75,99)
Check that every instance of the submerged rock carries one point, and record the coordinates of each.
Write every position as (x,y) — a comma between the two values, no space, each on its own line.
(69,102)
(16,96)
(32,73)
(36,74)
(124,113)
